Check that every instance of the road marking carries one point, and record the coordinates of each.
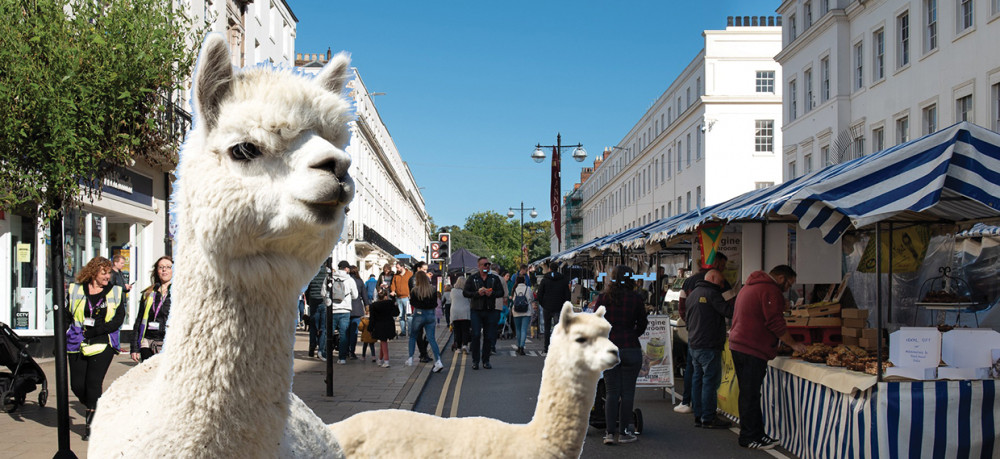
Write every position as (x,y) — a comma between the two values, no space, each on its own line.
(458,387)
(444,390)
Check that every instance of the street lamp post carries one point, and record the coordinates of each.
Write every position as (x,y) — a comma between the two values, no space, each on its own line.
(555,203)
(533,214)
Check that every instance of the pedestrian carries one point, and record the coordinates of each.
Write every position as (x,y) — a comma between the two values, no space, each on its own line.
(118,276)
(300,323)
(315,299)
(521,310)
(370,285)
(419,268)
(343,291)
(758,324)
(460,323)
(718,263)
(384,279)
(627,316)
(382,324)
(424,299)
(367,340)
(400,290)
(96,314)
(358,306)
(483,289)
(552,292)
(707,312)
(502,308)
(446,302)
(154,308)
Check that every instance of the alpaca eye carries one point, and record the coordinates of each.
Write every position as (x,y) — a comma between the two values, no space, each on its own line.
(581,340)
(244,151)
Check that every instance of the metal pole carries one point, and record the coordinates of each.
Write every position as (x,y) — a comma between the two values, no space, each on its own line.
(558,176)
(329,349)
(521,248)
(888,316)
(878,296)
(58,305)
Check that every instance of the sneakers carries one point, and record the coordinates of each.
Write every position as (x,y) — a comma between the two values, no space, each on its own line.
(438,366)
(385,364)
(683,408)
(697,422)
(764,443)
(487,366)
(321,357)
(520,351)
(475,366)
(626,438)
(424,359)
(409,362)
(717,424)
(609,439)
(378,362)
(341,362)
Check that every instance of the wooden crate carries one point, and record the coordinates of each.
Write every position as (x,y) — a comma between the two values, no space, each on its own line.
(851,331)
(853,313)
(855,323)
(797,321)
(818,311)
(869,334)
(850,340)
(868,344)
(824,321)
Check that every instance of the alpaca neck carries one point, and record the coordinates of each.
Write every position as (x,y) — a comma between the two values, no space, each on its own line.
(564,403)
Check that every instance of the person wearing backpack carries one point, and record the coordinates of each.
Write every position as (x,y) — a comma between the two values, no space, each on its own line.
(521,311)
(342,291)
(314,298)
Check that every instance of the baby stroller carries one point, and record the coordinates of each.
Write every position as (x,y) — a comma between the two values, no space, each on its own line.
(26,376)
(597,419)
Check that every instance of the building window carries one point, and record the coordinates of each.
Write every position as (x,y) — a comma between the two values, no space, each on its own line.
(930,25)
(670,115)
(679,109)
(697,149)
(762,185)
(670,209)
(878,55)
(930,119)
(824,156)
(793,111)
(903,40)
(679,204)
(680,144)
(807,164)
(765,81)
(697,200)
(764,136)
(689,201)
(792,30)
(669,163)
(824,7)
(902,130)
(688,138)
(995,7)
(697,87)
(859,66)
(824,75)
(807,77)
(878,139)
(687,96)
(807,14)
(963,108)
(995,105)
(859,146)
(964,14)
(791,170)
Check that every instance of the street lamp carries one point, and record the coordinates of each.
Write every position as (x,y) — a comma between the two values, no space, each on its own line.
(533,214)
(579,154)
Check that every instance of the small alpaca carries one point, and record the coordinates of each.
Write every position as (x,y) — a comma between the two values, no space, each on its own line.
(579,351)
(261,196)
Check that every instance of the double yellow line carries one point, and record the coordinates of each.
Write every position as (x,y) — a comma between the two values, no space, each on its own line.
(447,384)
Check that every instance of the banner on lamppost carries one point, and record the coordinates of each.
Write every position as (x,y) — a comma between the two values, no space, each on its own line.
(554,199)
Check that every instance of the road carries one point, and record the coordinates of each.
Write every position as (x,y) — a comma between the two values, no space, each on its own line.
(509,391)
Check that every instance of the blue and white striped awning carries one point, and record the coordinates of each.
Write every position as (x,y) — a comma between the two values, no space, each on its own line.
(979,230)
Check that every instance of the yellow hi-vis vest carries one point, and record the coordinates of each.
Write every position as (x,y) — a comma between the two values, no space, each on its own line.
(77,306)
(150,299)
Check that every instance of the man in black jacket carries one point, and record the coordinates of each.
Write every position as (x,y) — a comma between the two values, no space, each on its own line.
(553,291)
(483,289)
(707,312)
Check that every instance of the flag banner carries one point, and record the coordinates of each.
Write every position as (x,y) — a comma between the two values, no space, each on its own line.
(709,237)
(554,199)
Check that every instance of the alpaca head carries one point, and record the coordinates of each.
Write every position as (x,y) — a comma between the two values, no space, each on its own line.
(583,339)
(264,170)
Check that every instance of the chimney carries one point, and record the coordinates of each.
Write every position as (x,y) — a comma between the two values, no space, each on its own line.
(298,56)
(328,54)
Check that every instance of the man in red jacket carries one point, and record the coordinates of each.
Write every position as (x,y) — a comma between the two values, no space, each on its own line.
(758,324)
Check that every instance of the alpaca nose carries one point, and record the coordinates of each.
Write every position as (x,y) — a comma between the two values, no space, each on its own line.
(336,164)
(614,351)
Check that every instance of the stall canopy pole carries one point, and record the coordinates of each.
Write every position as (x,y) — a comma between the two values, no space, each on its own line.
(878,297)
(889,312)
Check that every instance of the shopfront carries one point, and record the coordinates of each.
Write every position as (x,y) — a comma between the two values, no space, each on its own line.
(127,220)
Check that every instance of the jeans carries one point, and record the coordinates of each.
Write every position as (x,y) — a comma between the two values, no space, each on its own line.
(316,328)
(521,325)
(341,320)
(484,324)
(620,384)
(403,304)
(551,319)
(302,310)
(424,319)
(688,371)
(750,372)
(705,382)
(352,339)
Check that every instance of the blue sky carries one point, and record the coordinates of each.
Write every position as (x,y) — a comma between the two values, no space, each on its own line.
(472,86)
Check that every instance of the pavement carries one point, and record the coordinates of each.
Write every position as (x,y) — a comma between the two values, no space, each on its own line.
(360,385)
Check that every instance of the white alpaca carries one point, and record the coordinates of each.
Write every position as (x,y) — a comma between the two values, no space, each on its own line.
(579,351)
(261,195)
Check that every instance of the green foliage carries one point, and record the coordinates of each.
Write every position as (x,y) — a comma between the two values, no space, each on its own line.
(80,92)
(490,234)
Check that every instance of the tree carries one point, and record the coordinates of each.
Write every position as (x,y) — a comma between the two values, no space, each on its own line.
(536,237)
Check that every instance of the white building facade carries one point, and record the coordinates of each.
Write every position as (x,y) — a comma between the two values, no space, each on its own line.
(862,76)
(712,135)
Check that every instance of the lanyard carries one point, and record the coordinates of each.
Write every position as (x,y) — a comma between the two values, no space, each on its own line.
(158,305)
(91,308)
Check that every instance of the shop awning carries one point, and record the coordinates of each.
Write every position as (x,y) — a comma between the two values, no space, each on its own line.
(979,230)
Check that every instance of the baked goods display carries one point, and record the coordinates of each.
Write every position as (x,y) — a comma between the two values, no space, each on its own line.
(851,357)
(815,353)
(944,296)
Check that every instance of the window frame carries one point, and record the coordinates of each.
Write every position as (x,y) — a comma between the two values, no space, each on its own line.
(824,75)
(763,136)
(903,40)
(764,83)
(858,70)
(930,26)
(878,55)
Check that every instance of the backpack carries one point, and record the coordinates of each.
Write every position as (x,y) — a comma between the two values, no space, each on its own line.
(520,303)
(337,290)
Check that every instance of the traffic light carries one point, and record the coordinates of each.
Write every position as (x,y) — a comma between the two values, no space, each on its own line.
(444,245)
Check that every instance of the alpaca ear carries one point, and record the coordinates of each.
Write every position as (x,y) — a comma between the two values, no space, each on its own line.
(213,76)
(335,73)
(566,316)
(600,311)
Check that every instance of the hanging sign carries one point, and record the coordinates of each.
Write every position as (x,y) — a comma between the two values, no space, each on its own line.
(657,368)
(23,252)
(709,236)
(909,246)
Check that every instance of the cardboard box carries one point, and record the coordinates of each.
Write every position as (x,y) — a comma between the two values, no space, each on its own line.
(850,340)
(797,321)
(825,322)
(912,373)
(850,331)
(969,347)
(915,347)
(963,374)
(869,333)
(827,310)
(868,343)
(853,313)
(855,323)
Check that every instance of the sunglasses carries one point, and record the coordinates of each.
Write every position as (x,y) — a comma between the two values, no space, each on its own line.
(487,264)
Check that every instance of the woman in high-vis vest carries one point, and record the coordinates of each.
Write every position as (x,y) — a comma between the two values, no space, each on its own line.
(154,308)
(96,314)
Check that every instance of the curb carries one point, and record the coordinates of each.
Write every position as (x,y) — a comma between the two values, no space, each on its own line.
(415,385)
